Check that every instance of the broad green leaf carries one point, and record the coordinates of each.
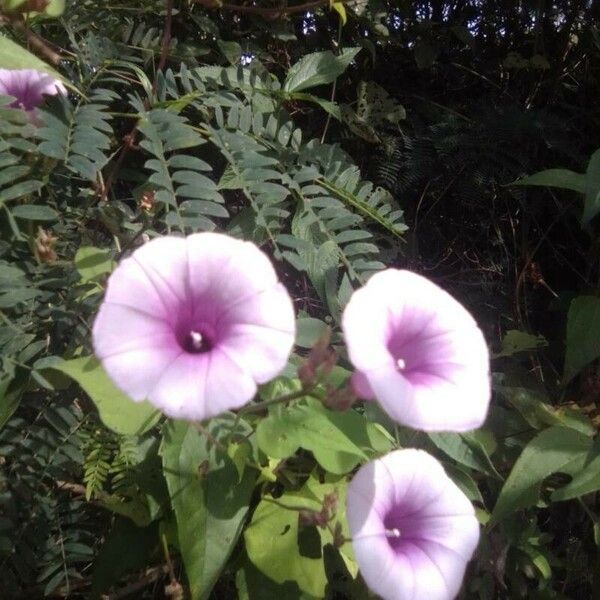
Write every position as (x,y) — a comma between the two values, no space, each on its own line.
(559,178)
(253,585)
(309,330)
(276,544)
(464,481)
(466,450)
(585,481)
(330,107)
(210,506)
(125,550)
(540,414)
(13,56)
(93,263)
(117,411)
(54,8)
(583,335)
(592,189)
(338,440)
(318,68)
(555,450)
(519,341)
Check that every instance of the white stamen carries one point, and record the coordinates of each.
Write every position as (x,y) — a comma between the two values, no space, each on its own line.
(196,338)
(401,364)
(392,533)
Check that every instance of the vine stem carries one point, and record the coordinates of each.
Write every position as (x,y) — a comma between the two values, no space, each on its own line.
(253,408)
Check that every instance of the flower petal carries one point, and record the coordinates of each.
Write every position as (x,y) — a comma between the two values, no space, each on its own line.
(199,386)
(229,268)
(119,329)
(419,352)
(429,528)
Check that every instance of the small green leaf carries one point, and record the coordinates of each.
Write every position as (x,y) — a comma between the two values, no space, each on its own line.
(93,263)
(555,450)
(519,341)
(318,68)
(11,391)
(117,411)
(34,212)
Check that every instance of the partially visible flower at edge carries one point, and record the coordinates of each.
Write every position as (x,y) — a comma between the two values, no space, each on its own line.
(194,324)
(418,352)
(28,87)
(413,530)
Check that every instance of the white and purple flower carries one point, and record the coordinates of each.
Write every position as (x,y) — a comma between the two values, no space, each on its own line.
(194,324)
(413,531)
(418,352)
(28,87)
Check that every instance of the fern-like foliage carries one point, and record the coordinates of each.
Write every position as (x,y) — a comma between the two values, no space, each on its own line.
(17,179)
(189,197)
(45,535)
(78,135)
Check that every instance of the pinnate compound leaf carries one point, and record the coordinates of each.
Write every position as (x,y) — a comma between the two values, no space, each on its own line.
(117,411)
(555,450)
(210,505)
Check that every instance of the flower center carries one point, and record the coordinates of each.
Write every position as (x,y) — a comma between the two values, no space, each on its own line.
(195,342)
(392,531)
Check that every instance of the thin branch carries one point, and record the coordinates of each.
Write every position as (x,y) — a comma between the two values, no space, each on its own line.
(269,13)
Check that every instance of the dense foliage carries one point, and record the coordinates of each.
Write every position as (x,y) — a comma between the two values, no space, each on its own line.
(456,139)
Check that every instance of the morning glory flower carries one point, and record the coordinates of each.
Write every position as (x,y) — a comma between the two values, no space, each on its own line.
(413,531)
(28,87)
(418,352)
(194,324)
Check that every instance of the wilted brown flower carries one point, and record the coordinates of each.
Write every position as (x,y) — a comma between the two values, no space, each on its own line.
(44,246)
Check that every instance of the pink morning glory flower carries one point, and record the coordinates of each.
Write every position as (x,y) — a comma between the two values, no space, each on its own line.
(194,324)
(413,531)
(418,352)
(28,87)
